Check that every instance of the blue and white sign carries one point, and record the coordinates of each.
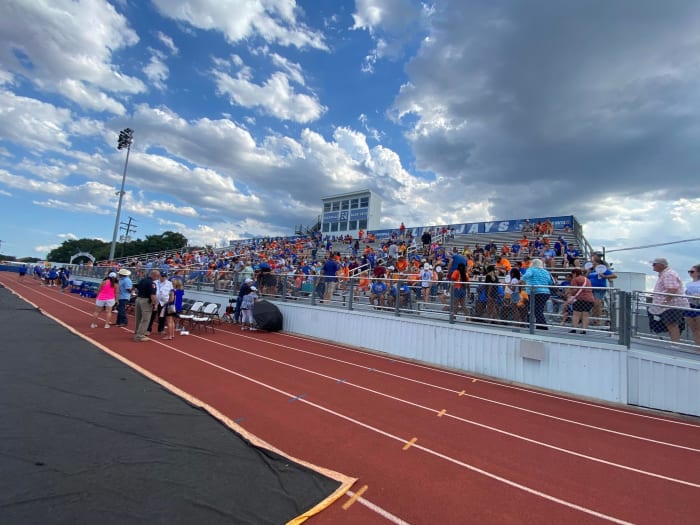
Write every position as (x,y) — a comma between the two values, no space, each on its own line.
(513,225)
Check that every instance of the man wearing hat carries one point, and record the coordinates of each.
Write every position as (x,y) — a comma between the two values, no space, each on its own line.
(125,286)
(146,303)
(665,310)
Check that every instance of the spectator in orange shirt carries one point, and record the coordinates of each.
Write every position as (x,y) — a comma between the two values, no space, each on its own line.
(402,264)
(503,266)
(524,244)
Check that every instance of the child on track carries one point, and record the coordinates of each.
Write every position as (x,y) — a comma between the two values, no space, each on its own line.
(247,305)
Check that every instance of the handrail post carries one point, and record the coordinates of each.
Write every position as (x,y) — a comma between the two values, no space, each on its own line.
(625,318)
(351,292)
(531,310)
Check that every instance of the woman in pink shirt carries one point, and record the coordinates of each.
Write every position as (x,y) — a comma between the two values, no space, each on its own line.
(106,297)
(581,297)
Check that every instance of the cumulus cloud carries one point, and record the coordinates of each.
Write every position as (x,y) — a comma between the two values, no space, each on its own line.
(274,97)
(554,104)
(156,70)
(168,42)
(274,21)
(392,24)
(66,47)
(32,123)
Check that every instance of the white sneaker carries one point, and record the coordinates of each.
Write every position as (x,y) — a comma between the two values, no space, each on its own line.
(106,325)
(254,329)
(243,328)
(184,332)
(93,325)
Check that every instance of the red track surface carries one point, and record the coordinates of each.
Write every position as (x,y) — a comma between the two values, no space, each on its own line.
(497,454)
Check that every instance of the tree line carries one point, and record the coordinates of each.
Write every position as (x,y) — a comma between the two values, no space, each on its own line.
(100,249)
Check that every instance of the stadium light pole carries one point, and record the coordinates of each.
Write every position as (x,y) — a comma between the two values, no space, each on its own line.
(126,137)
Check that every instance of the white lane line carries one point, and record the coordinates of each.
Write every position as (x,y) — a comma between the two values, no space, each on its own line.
(458,418)
(494,383)
(379,510)
(487,400)
(394,437)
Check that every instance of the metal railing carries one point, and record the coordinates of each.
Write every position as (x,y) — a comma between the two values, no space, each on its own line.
(619,317)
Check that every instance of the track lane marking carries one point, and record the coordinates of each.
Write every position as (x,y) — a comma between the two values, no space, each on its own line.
(487,400)
(410,443)
(427,450)
(465,375)
(386,515)
(354,497)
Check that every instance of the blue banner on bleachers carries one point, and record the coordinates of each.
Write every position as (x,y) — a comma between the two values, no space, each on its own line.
(513,225)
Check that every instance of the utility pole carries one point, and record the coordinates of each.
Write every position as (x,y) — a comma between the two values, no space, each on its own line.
(126,137)
(128,228)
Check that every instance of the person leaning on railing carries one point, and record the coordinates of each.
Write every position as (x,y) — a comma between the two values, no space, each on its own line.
(666,311)
(693,315)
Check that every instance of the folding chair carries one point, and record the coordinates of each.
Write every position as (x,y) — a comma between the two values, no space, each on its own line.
(187,316)
(205,318)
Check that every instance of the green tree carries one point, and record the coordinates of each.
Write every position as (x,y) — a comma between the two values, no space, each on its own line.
(100,249)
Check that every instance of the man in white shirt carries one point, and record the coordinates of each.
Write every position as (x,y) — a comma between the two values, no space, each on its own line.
(164,287)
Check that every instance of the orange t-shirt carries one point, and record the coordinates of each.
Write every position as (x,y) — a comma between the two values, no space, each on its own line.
(456,278)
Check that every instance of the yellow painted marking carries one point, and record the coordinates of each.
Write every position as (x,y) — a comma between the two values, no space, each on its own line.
(354,498)
(462,392)
(410,444)
(442,412)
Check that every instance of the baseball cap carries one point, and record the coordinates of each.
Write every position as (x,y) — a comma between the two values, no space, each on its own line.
(253,289)
(112,275)
(249,280)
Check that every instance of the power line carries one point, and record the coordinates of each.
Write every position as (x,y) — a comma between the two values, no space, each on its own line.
(652,245)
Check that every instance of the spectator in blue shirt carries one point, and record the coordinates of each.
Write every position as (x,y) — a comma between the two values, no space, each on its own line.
(539,280)
(599,274)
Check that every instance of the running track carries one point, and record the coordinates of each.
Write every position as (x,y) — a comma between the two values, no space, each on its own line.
(427,445)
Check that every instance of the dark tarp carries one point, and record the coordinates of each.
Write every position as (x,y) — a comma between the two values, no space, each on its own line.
(267,316)
(86,439)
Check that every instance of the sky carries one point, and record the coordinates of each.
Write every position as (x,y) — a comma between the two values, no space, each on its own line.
(246,113)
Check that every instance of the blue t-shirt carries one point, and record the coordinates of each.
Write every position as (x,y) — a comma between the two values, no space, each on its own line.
(378,287)
(456,259)
(330,268)
(597,282)
(179,294)
(125,285)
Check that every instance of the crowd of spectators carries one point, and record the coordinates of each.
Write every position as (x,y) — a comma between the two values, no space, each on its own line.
(492,282)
